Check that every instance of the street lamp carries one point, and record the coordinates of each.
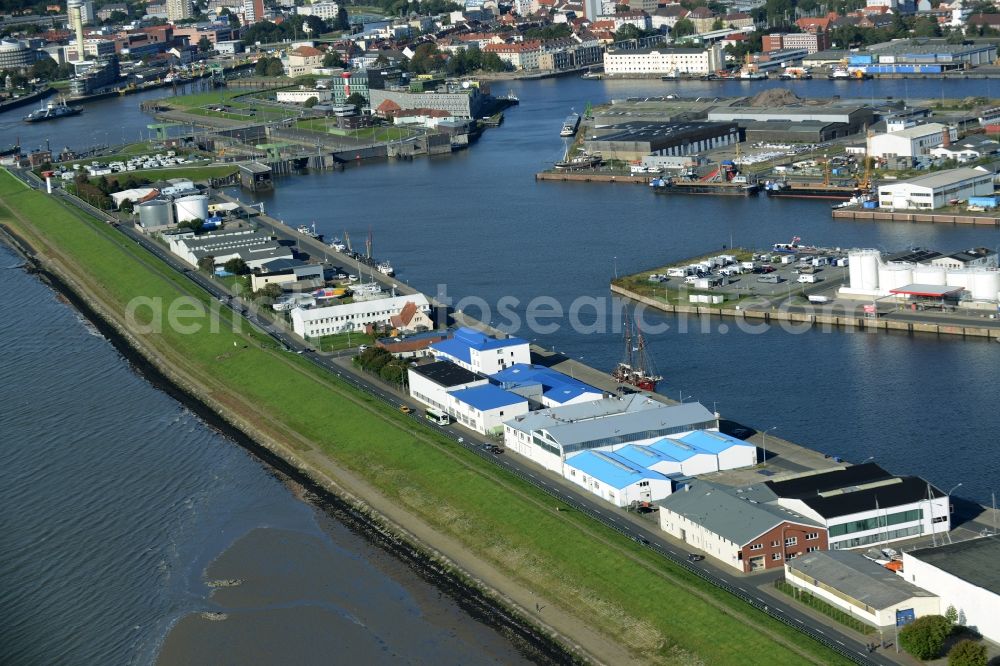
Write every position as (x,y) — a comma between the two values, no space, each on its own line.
(680,394)
(948,494)
(763,442)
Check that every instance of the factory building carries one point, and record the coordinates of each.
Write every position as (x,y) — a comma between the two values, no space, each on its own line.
(855,117)
(964,575)
(860,587)
(550,436)
(663,61)
(635,140)
(935,190)
(357,316)
(736,530)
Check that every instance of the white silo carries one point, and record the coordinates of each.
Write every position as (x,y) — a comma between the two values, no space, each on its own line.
(985,284)
(959,277)
(862,268)
(894,275)
(192,207)
(927,274)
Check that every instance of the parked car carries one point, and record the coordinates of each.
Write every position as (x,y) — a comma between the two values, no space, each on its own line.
(406,409)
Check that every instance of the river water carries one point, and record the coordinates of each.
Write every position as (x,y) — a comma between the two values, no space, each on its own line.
(117,499)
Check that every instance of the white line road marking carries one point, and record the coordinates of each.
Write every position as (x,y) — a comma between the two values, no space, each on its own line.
(840,643)
(799,621)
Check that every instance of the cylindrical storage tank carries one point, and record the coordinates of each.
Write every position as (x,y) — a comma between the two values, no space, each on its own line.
(870,261)
(192,207)
(894,275)
(155,213)
(985,284)
(935,275)
(854,269)
(959,278)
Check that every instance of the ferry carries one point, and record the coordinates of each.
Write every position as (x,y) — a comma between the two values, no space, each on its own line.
(53,111)
(570,125)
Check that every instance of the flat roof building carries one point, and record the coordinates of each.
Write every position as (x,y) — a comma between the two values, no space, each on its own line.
(634,140)
(856,117)
(935,189)
(484,408)
(480,352)
(357,316)
(545,387)
(965,575)
(859,586)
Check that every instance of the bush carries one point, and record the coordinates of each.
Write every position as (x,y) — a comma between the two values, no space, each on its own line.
(968,653)
(924,637)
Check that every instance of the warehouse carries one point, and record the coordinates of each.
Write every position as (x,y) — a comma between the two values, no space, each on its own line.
(862,504)
(912,141)
(616,479)
(635,140)
(549,436)
(739,532)
(545,387)
(965,575)
(859,586)
(855,117)
(787,131)
(935,189)
(661,61)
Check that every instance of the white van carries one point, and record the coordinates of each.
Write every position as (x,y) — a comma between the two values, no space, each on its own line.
(807,277)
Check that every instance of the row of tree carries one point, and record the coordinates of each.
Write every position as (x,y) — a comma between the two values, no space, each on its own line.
(380,362)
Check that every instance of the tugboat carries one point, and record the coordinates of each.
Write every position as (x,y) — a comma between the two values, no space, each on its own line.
(53,111)
(635,368)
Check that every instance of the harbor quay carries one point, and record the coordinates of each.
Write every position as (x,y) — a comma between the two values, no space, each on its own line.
(802,287)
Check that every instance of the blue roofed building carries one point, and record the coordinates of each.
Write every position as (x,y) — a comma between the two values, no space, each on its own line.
(484,408)
(693,460)
(478,352)
(616,479)
(545,387)
(732,452)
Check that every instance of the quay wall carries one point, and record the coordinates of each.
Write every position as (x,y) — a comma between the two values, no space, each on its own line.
(899,216)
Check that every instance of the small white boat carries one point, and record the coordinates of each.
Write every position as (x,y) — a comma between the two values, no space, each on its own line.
(385,268)
(338,245)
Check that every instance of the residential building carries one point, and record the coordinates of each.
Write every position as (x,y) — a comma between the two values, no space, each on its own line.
(703,19)
(860,587)
(964,575)
(412,346)
(105,12)
(616,479)
(253,11)
(746,535)
(912,141)
(667,17)
(178,10)
(863,504)
(356,316)
(325,10)
(969,149)
(935,189)
(978,257)
(544,387)
(549,436)
(659,60)
(520,55)
(302,59)
(811,42)
(478,352)
(411,319)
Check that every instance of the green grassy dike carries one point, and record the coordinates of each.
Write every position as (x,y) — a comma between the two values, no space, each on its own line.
(661,613)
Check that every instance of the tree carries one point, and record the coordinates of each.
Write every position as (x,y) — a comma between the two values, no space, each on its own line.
(207,264)
(683,28)
(626,32)
(951,615)
(127,206)
(924,637)
(205,44)
(717,24)
(234,20)
(236,266)
(311,102)
(275,68)
(332,59)
(926,27)
(968,653)
(356,100)
(426,58)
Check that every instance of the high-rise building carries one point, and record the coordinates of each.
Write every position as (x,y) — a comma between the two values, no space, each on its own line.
(178,10)
(253,11)
(74,10)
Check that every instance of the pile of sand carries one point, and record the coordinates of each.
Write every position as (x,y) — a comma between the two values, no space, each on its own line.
(774,97)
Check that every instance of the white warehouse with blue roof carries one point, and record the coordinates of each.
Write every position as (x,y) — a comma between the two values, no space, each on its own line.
(545,387)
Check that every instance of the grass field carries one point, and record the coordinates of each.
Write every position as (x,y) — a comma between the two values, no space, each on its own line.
(364,133)
(655,608)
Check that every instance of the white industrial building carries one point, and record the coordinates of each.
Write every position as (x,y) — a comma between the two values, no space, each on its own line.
(479,352)
(616,479)
(253,247)
(545,387)
(972,274)
(912,141)
(860,587)
(303,96)
(935,189)
(357,316)
(430,383)
(485,408)
(550,436)
(661,60)
(965,575)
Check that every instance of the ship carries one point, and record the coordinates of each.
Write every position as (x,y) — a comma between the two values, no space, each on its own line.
(309,231)
(570,125)
(784,188)
(635,369)
(582,161)
(385,268)
(845,74)
(338,245)
(53,111)
(13,150)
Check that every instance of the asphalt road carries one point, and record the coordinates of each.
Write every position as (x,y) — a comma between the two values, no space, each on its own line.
(642,531)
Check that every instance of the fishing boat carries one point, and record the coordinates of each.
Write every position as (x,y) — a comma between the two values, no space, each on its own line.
(570,125)
(338,245)
(385,268)
(309,231)
(582,161)
(53,111)
(635,368)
